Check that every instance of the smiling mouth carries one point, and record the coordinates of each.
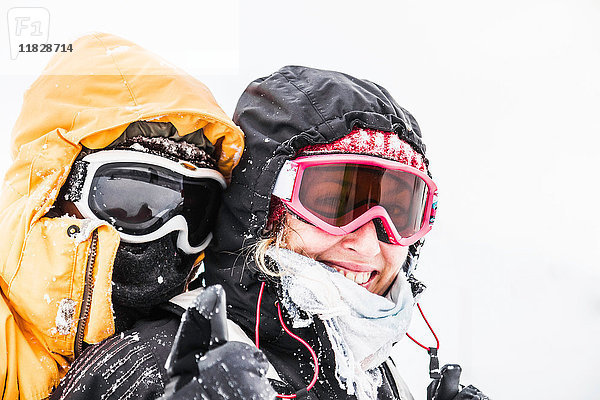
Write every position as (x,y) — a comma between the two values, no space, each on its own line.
(360,278)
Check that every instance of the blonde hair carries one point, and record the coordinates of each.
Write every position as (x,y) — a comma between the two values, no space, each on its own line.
(277,239)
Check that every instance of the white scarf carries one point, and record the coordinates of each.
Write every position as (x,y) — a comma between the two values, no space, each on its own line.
(361,326)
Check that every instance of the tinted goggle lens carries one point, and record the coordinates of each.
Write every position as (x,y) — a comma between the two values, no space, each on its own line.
(200,206)
(340,193)
(140,198)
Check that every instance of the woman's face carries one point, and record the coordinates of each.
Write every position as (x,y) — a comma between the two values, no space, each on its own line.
(359,255)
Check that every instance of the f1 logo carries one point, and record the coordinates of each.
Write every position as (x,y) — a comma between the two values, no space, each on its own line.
(27,25)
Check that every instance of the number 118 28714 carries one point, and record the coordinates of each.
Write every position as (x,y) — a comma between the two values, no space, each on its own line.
(45,48)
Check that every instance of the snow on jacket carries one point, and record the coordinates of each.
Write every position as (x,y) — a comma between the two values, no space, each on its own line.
(55,273)
(130,365)
(280,114)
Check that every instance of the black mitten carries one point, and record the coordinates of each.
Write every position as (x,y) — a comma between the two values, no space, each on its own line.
(448,387)
(202,364)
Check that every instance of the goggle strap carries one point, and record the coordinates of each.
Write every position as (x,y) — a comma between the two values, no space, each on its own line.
(284,186)
(382,234)
(298,217)
(433,208)
(74,184)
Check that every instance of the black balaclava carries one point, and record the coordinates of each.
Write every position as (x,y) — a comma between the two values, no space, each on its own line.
(147,274)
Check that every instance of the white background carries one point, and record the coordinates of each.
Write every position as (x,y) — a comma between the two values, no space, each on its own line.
(507,95)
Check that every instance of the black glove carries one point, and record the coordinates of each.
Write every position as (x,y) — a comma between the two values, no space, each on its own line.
(448,388)
(203,365)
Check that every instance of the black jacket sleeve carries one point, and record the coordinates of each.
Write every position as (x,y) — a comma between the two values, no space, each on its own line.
(129,365)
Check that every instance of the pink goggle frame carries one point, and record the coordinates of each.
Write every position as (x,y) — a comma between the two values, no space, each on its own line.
(287,188)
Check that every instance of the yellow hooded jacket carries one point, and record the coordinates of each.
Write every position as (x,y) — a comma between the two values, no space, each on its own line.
(55,273)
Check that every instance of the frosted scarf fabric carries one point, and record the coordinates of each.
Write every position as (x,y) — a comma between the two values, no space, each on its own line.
(361,325)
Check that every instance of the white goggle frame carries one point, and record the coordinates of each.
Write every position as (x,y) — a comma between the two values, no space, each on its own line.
(177,223)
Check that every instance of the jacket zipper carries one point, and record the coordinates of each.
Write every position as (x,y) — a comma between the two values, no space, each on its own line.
(87,295)
(391,379)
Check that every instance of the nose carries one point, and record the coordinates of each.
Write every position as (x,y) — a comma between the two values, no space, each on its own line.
(363,240)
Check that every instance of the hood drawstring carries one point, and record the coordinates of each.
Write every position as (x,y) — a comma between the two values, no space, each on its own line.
(287,330)
(434,364)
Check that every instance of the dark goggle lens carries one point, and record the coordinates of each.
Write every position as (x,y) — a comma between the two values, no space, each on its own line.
(200,206)
(340,193)
(138,199)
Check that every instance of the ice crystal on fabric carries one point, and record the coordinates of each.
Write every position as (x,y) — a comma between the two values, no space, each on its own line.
(171,149)
(74,184)
(86,228)
(361,326)
(371,142)
(65,316)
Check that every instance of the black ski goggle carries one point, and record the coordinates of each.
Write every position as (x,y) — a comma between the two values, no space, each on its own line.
(145,196)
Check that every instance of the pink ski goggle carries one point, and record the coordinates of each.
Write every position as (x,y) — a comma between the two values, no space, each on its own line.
(339,193)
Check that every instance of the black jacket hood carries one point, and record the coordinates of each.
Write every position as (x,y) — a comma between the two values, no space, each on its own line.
(284,112)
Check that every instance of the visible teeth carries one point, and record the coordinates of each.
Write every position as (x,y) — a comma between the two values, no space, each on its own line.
(358,277)
(362,277)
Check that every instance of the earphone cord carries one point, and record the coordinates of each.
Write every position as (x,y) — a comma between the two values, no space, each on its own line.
(286,329)
(433,365)
(437,341)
